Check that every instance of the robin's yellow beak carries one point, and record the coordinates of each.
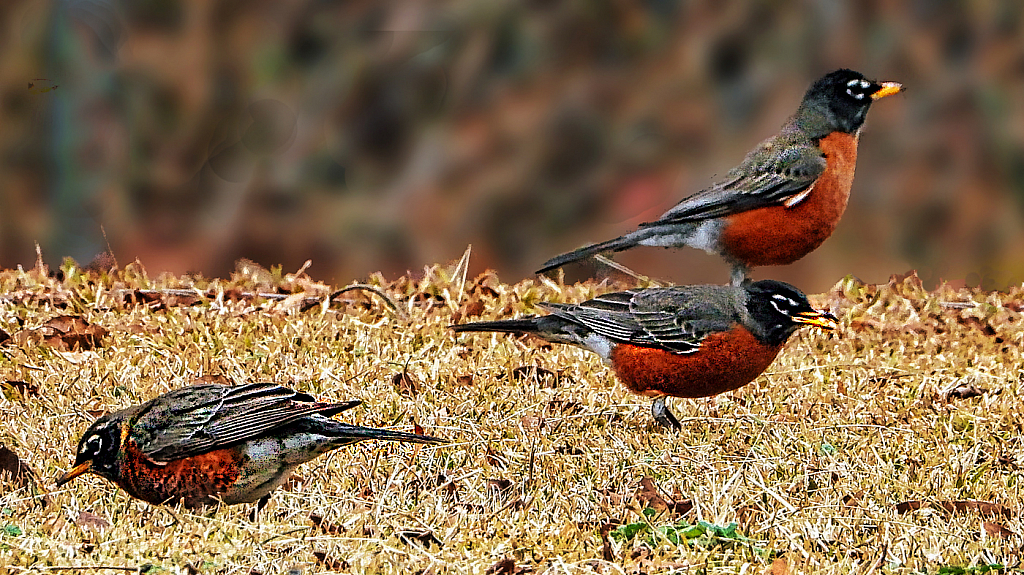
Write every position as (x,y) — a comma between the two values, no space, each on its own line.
(887,89)
(74,472)
(820,319)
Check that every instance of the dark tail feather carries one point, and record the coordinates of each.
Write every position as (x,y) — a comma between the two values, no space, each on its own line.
(523,325)
(617,245)
(354,433)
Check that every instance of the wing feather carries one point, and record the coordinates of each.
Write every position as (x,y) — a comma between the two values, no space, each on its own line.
(675,319)
(199,419)
(761,180)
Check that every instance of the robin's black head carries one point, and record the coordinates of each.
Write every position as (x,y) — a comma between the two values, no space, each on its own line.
(840,101)
(97,450)
(779,309)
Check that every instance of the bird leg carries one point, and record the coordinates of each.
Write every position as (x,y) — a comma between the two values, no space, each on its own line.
(662,414)
(260,504)
(738,275)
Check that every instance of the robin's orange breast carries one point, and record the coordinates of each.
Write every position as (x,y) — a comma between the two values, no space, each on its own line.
(725,361)
(197,480)
(779,235)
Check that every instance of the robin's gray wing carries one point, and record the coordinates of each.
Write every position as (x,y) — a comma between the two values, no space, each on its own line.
(674,319)
(777,172)
(202,418)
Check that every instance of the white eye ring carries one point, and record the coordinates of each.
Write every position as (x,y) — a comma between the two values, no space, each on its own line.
(852,83)
(858,95)
(789,303)
(87,446)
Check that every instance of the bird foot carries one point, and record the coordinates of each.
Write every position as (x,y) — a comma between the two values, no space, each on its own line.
(738,276)
(254,513)
(663,416)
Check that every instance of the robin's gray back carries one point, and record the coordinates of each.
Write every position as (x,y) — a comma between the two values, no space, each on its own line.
(201,418)
(675,318)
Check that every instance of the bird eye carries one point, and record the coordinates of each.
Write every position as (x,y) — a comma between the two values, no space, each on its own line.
(783,304)
(94,445)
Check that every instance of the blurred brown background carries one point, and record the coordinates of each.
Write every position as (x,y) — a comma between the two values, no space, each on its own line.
(388,135)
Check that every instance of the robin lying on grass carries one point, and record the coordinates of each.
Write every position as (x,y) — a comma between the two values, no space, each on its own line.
(209,444)
(684,341)
(784,200)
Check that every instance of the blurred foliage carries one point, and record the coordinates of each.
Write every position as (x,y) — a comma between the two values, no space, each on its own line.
(373,135)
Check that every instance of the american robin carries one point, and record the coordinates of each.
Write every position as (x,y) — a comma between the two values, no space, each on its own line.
(683,341)
(786,197)
(211,443)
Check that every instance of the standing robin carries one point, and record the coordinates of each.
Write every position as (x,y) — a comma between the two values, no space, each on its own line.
(683,341)
(786,197)
(213,443)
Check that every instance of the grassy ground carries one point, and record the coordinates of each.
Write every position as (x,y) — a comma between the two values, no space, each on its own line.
(892,445)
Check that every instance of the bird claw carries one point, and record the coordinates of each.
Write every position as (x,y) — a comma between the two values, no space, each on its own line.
(663,416)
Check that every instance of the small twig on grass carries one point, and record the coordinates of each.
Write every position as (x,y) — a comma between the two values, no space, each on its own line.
(364,287)
(958,304)
(619,267)
(84,568)
(462,267)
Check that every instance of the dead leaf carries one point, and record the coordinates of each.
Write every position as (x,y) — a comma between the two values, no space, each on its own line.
(531,422)
(103,262)
(959,506)
(607,551)
(330,563)
(493,459)
(4,337)
(450,491)
(473,308)
(16,471)
(87,520)
(853,499)
(779,567)
(500,485)
(325,526)
(22,388)
(1006,460)
(965,391)
(651,496)
(996,530)
(405,383)
(464,380)
(507,566)
(366,492)
(158,300)
(65,333)
(978,324)
(424,537)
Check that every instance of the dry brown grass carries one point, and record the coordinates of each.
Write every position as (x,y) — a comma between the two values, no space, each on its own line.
(811,460)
